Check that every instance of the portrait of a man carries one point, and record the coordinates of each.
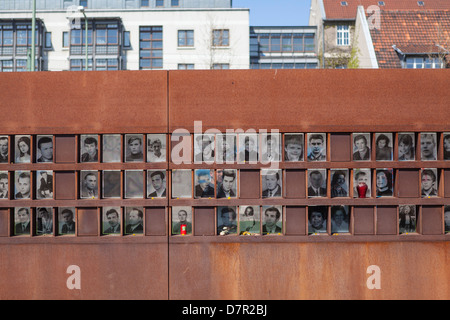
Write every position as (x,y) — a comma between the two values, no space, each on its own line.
(44,149)
(44,184)
(181,216)
(226,183)
(4,147)
(23,185)
(293,147)
(429,183)
(112,220)
(428,147)
(226,220)
(66,218)
(156,147)
(89,148)
(248,148)
(134,148)
(134,221)
(4,185)
(271,183)
(317,147)
(44,221)
(156,184)
(89,184)
(317,183)
(204,183)
(205,148)
(271,147)
(22,221)
(273,220)
(226,148)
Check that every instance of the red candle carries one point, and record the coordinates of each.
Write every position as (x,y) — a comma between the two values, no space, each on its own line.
(362,189)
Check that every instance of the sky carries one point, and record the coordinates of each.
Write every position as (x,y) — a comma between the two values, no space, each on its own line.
(276,12)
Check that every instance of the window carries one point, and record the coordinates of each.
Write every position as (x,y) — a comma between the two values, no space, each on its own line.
(79,64)
(6,35)
(343,35)
(185,66)
(145,3)
(48,40)
(65,41)
(185,38)
(221,66)
(381,3)
(159,3)
(221,38)
(106,64)
(423,63)
(421,3)
(284,42)
(175,3)
(126,39)
(84,3)
(151,48)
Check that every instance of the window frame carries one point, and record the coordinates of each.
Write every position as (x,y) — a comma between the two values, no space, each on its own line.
(222,40)
(342,35)
(184,36)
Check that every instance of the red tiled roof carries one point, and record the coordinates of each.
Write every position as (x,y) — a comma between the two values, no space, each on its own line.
(411,32)
(334,9)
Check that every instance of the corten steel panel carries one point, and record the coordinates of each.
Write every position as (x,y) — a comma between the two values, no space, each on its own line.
(363,220)
(249,181)
(84,102)
(109,270)
(65,185)
(295,221)
(4,222)
(87,222)
(204,221)
(447,183)
(295,184)
(409,182)
(408,270)
(340,145)
(155,221)
(65,149)
(432,220)
(310,100)
(387,220)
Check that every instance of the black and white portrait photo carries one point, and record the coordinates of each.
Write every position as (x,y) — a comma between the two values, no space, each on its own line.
(4,149)
(249,220)
(362,183)
(339,183)
(406,146)
(383,146)
(446,145)
(22,149)
(340,219)
(385,182)
(317,147)
(407,219)
(134,220)
(181,220)
(226,220)
(44,184)
(428,146)
(44,221)
(361,146)
(22,223)
(181,183)
(66,221)
(226,183)
(134,148)
(204,183)
(156,147)
(89,148)
(112,148)
(447,219)
(134,184)
(44,150)
(204,148)
(88,184)
(248,148)
(111,183)
(294,147)
(272,220)
(317,219)
(226,148)
(22,184)
(429,182)
(4,185)
(317,183)
(270,147)
(156,184)
(111,220)
(271,180)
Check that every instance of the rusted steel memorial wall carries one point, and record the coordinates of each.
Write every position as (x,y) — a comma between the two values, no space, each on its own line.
(255,184)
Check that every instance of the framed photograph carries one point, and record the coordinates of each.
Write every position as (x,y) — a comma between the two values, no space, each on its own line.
(4,149)
(271,183)
(22,185)
(134,148)
(249,220)
(134,220)
(22,221)
(156,183)
(361,146)
(385,182)
(317,146)
(446,145)
(111,220)
(340,219)
(226,220)
(4,185)
(66,220)
(407,218)
(317,219)
(226,183)
(88,184)
(406,146)
(156,147)
(44,184)
(272,220)
(429,182)
(362,183)
(428,146)
(294,146)
(111,186)
(112,148)
(447,219)
(181,183)
(44,221)
(88,148)
(22,149)
(204,183)
(248,148)
(317,183)
(339,183)
(182,220)
(383,146)
(270,147)
(134,184)
(226,148)
(204,148)
(44,150)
